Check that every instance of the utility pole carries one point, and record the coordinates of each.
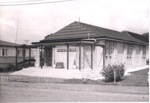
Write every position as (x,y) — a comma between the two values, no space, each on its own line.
(17,31)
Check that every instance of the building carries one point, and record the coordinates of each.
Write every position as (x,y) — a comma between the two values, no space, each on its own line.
(83,46)
(11,53)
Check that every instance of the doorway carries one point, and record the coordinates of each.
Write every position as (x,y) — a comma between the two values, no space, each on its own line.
(48,56)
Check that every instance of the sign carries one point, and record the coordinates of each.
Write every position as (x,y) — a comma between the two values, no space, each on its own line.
(65,50)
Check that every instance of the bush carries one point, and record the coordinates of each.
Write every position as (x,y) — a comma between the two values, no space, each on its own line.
(1,69)
(108,72)
(8,68)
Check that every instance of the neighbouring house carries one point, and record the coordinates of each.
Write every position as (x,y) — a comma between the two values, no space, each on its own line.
(12,53)
(83,46)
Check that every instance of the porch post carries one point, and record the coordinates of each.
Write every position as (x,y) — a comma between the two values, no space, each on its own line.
(67,56)
(41,57)
(104,52)
(16,57)
(91,56)
(45,56)
(80,56)
(23,56)
(29,56)
(37,63)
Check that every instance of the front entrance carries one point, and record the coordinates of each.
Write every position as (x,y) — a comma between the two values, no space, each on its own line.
(48,56)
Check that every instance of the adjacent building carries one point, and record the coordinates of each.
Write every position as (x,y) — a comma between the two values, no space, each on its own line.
(12,53)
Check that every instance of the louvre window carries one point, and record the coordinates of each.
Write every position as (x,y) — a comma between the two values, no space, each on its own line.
(137,49)
(109,47)
(4,52)
(120,48)
(143,52)
(129,51)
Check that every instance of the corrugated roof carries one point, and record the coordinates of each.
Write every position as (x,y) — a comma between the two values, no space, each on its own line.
(5,43)
(78,30)
(137,36)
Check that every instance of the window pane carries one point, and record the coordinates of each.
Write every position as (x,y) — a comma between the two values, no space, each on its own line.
(120,47)
(111,47)
(137,49)
(107,47)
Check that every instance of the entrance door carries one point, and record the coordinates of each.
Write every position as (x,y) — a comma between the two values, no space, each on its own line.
(48,56)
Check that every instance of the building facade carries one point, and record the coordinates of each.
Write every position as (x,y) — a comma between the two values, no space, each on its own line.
(84,46)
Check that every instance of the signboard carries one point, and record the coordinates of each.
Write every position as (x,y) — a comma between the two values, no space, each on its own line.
(65,50)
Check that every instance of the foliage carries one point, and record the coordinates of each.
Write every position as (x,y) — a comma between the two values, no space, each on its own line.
(8,68)
(109,71)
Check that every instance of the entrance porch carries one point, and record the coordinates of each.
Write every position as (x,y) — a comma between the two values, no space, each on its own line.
(70,55)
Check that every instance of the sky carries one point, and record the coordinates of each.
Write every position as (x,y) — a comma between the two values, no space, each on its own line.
(34,22)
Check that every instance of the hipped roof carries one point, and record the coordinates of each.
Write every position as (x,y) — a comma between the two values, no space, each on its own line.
(79,31)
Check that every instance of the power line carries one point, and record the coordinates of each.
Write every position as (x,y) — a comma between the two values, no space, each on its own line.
(34,3)
(29,29)
(26,29)
(21,1)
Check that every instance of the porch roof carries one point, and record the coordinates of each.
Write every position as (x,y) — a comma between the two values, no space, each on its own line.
(78,31)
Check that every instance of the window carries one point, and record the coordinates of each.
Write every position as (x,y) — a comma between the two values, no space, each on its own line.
(19,52)
(120,48)
(129,51)
(23,52)
(137,49)
(109,47)
(4,52)
(143,52)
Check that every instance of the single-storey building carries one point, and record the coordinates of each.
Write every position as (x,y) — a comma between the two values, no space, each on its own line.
(83,46)
(12,53)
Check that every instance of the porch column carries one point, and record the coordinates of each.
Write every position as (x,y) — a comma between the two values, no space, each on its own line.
(91,56)
(41,58)
(37,61)
(45,56)
(29,56)
(23,56)
(104,53)
(16,57)
(80,56)
(67,56)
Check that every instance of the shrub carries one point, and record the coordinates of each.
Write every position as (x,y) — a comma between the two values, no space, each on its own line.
(9,67)
(108,72)
(1,69)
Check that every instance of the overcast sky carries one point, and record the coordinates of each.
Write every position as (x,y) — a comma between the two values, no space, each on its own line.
(37,21)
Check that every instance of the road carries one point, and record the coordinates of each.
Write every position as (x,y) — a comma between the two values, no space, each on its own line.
(47,92)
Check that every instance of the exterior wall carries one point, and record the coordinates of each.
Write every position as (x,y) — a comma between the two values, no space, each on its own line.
(147,52)
(61,56)
(130,55)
